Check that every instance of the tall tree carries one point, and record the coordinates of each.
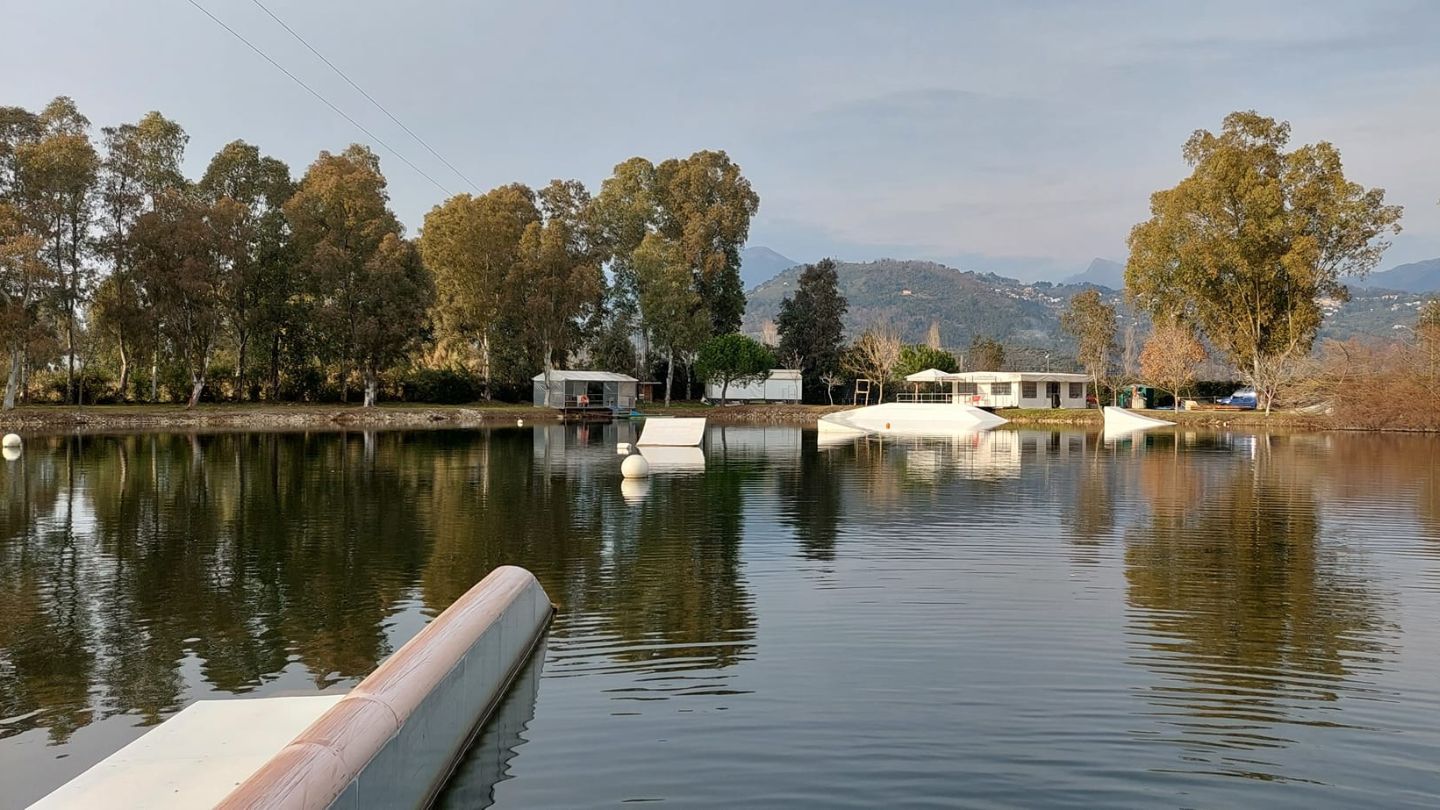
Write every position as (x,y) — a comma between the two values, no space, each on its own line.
(142,161)
(1248,244)
(705,206)
(1092,323)
(472,245)
(669,301)
(24,285)
(258,282)
(625,212)
(811,325)
(57,174)
(557,281)
(920,357)
(1171,357)
(985,354)
(180,251)
(349,244)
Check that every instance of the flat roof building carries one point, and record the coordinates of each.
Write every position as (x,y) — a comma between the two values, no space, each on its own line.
(1003,389)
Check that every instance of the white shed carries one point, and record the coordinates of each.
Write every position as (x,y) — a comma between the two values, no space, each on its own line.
(1006,389)
(783,385)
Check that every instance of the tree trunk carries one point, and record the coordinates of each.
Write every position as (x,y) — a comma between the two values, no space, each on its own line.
(124,385)
(485,364)
(724,390)
(197,385)
(155,376)
(12,382)
(275,367)
(669,375)
(372,388)
(70,356)
(244,342)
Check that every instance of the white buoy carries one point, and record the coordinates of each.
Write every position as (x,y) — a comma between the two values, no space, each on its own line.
(635,467)
(10,440)
(10,453)
(519,423)
(622,449)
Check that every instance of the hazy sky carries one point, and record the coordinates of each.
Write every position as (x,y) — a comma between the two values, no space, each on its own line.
(1018,137)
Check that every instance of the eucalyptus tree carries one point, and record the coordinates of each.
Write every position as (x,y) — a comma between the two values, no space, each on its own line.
(472,246)
(141,163)
(557,281)
(1249,244)
(705,205)
(371,292)
(259,284)
(56,175)
(25,282)
(667,295)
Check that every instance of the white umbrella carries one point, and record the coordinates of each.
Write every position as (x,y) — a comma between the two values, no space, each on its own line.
(929,375)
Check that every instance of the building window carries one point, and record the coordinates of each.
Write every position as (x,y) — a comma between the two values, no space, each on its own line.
(1077,390)
(1000,389)
(1027,390)
(965,388)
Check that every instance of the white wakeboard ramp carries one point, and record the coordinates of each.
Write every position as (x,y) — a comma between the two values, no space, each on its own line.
(1119,420)
(909,418)
(667,432)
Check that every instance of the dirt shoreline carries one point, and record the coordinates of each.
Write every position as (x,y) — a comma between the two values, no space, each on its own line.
(92,419)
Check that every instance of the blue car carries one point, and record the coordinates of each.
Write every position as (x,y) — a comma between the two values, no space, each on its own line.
(1243,398)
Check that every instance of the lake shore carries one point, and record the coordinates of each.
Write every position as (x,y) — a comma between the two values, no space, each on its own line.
(99,418)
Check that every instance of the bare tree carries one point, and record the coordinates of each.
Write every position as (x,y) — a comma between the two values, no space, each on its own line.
(875,355)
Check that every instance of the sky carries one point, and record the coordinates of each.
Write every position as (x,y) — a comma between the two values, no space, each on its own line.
(1021,137)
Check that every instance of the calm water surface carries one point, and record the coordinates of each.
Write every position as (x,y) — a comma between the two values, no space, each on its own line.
(1023,618)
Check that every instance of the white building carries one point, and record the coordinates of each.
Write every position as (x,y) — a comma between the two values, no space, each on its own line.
(585,390)
(783,385)
(1001,389)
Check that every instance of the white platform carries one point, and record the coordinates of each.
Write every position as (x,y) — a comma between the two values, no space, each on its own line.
(669,432)
(910,418)
(195,758)
(1119,420)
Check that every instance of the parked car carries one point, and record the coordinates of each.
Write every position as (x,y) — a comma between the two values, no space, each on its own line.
(1243,398)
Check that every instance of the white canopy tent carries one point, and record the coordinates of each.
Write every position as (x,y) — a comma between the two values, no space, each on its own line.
(929,375)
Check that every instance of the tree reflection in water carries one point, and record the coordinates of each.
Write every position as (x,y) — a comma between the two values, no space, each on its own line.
(1250,623)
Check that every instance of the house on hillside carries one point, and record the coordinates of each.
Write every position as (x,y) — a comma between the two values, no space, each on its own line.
(1001,389)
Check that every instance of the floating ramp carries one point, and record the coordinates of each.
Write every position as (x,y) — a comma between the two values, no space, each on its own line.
(392,741)
(1119,420)
(672,432)
(909,419)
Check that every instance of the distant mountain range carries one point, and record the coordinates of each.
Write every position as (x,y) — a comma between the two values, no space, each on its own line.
(760,264)
(910,295)
(1101,273)
(1416,277)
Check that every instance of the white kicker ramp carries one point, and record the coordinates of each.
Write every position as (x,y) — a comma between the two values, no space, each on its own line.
(1119,420)
(676,432)
(908,418)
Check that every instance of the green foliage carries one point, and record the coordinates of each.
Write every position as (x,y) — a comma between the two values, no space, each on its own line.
(1092,323)
(916,357)
(449,386)
(985,354)
(733,358)
(1247,246)
(811,324)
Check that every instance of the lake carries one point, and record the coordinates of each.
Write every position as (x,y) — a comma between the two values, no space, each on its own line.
(1020,618)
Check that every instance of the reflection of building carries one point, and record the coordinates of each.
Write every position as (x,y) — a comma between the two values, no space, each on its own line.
(583,446)
(771,441)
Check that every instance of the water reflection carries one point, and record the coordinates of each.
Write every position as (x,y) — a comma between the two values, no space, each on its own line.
(1183,604)
(1251,623)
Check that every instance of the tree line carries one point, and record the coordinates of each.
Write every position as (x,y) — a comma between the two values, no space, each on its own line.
(121,279)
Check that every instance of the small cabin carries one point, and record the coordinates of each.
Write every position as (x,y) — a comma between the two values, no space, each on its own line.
(585,390)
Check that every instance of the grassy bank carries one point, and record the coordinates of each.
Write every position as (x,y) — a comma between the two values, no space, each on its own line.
(320,417)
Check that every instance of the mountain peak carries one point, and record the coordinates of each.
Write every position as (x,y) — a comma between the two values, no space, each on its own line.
(1101,273)
(1415,277)
(759,264)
